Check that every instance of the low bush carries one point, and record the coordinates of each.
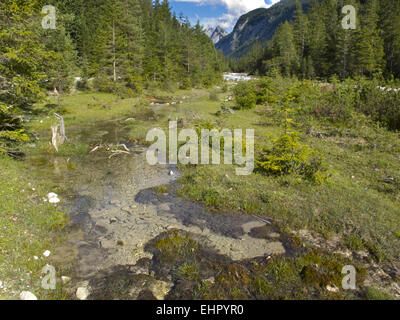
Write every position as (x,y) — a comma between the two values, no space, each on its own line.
(287,155)
(245,95)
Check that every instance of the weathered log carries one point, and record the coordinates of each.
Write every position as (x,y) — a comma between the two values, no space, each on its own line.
(62,137)
(54,131)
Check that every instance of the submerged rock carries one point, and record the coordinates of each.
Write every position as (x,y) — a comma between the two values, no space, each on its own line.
(160,288)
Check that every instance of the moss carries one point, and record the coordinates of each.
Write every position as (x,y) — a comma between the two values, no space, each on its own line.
(189,270)
(262,287)
(376,294)
(176,243)
(161,189)
(354,242)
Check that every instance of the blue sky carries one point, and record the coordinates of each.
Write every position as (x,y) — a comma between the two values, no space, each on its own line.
(217,12)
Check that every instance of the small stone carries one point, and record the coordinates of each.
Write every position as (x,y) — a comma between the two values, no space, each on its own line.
(210,280)
(46,253)
(332,289)
(274,235)
(171,173)
(82,293)
(1,284)
(53,197)
(54,200)
(65,279)
(36,257)
(113,220)
(362,254)
(127,210)
(26,295)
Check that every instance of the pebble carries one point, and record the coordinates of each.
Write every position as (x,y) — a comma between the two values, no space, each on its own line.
(53,197)
(210,280)
(65,279)
(26,295)
(82,293)
(332,289)
(46,253)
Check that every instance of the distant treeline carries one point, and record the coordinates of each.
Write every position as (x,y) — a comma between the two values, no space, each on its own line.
(137,42)
(315,45)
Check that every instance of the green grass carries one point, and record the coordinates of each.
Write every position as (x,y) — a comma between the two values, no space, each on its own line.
(29,226)
(376,294)
(354,204)
(355,201)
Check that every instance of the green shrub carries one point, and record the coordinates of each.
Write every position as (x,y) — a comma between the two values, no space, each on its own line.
(245,95)
(287,155)
(11,130)
(337,104)
(186,84)
(382,105)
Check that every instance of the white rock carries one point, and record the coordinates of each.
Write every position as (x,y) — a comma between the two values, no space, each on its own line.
(82,293)
(171,173)
(46,253)
(332,289)
(1,284)
(54,200)
(36,257)
(53,197)
(26,295)
(65,279)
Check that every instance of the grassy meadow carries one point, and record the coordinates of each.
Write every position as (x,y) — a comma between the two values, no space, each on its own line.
(353,204)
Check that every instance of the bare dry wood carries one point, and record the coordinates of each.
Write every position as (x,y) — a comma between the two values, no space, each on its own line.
(62,136)
(54,131)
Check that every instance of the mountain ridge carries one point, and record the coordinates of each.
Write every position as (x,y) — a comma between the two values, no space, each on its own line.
(258,25)
(216,34)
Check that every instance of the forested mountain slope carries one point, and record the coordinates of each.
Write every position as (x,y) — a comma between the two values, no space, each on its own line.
(258,25)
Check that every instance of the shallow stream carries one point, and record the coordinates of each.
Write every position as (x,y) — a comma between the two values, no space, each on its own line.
(116,215)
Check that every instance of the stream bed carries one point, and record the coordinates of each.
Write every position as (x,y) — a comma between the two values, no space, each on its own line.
(117,218)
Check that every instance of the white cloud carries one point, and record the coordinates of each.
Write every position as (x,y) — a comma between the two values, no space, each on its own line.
(235,8)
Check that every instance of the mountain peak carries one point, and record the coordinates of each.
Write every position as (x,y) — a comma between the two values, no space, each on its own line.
(258,25)
(216,34)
